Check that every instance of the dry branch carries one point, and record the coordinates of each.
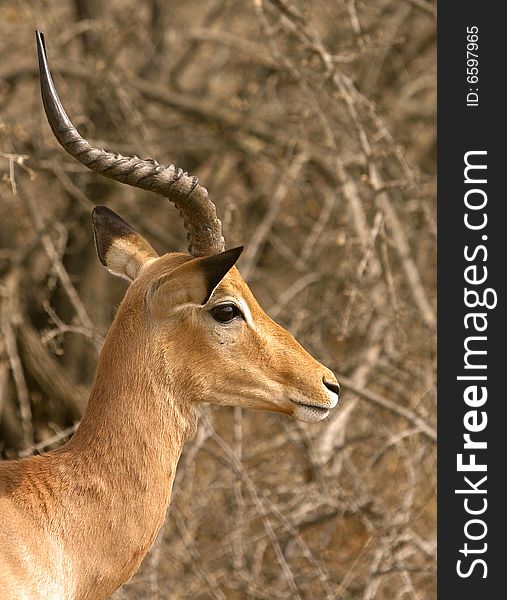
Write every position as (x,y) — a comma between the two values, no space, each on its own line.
(314,130)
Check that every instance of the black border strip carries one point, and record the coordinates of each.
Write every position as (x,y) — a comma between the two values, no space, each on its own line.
(462,129)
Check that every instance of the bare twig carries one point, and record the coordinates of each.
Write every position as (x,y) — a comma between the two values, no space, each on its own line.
(9,318)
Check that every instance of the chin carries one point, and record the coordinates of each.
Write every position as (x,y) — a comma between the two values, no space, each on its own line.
(310,414)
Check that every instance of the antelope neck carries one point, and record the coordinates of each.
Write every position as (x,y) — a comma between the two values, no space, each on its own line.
(123,458)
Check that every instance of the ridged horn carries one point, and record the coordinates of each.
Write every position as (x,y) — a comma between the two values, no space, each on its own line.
(204,229)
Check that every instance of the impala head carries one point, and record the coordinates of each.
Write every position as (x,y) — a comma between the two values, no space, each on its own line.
(212,336)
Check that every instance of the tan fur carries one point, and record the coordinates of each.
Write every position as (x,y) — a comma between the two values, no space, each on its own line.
(123,261)
(77,522)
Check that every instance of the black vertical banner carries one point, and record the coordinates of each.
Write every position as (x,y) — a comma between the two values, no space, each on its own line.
(472,269)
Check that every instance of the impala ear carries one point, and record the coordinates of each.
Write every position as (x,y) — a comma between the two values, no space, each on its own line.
(120,249)
(191,283)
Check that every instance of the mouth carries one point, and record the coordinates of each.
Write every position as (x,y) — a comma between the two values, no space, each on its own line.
(309,413)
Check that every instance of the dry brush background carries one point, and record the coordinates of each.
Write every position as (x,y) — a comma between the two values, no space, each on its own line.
(313,126)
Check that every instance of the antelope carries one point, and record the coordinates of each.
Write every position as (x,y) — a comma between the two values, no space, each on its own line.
(77,521)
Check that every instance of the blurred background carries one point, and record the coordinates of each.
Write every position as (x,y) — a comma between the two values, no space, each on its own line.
(312,124)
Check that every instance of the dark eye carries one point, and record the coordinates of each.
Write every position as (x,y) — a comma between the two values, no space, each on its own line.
(223,313)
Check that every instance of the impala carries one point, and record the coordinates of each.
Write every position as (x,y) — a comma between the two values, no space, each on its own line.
(76,522)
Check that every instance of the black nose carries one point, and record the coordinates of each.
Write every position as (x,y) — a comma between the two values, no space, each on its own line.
(332,386)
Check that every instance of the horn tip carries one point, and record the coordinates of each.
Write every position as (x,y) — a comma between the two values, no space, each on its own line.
(41,46)
(39,37)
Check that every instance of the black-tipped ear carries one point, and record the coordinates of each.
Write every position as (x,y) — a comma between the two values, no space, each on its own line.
(215,268)
(107,227)
(191,283)
(120,249)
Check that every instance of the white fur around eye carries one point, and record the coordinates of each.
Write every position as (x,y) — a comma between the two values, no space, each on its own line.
(239,302)
(246,312)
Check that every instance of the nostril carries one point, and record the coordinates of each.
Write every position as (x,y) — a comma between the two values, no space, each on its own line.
(332,386)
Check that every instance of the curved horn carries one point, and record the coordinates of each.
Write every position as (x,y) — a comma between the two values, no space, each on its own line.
(198,212)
